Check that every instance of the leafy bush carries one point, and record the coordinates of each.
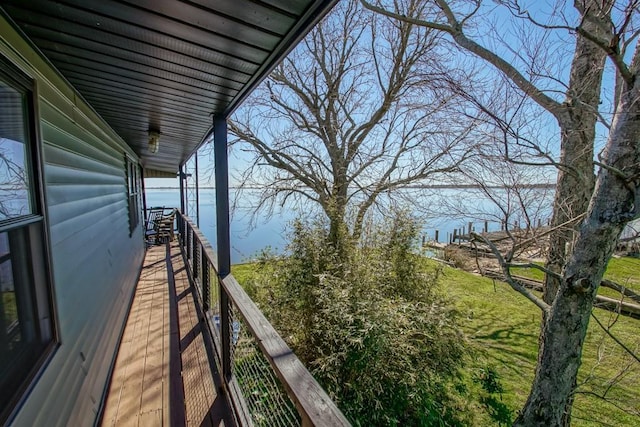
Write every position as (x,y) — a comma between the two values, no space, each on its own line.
(372,328)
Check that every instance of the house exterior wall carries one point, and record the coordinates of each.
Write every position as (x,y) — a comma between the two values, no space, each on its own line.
(95,259)
(632,230)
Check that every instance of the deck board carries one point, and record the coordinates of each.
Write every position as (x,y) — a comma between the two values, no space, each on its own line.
(162,374)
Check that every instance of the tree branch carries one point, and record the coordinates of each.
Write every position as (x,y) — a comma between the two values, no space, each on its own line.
(507,274)
(613,337)
(454,29)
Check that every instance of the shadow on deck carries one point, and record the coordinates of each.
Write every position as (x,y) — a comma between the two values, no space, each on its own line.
(163,374)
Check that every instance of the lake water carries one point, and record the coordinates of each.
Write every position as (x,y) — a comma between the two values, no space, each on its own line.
(247,239)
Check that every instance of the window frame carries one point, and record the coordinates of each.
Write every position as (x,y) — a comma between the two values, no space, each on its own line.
(36,226)
(132,179)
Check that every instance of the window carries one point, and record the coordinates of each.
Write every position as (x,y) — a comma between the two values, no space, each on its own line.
(133,190)
(27,333)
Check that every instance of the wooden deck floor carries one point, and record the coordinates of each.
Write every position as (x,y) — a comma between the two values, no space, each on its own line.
(162,375)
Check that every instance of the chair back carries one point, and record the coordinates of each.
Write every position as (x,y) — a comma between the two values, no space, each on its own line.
(166,217)
(155,214)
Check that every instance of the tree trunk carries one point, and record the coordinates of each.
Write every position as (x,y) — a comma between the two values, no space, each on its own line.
(338,230)
(577,126)
(575,185)
(573,190)
(559,360)
(614,203)
(336,211)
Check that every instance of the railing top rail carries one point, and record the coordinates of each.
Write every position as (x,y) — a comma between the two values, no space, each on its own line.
(314,405)
(207,249)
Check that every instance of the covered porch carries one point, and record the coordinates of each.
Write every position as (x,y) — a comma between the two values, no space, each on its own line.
(196,350)
(164,373)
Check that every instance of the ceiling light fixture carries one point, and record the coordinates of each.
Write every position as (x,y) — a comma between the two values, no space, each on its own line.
(154,141)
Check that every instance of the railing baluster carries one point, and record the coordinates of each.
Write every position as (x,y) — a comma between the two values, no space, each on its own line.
(178,222)
(206,295)
(196,259)
(225,329)
(184,234)
(188,246)
(182,222)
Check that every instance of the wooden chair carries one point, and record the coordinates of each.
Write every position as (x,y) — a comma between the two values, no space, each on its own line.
(164,227)
(154,215)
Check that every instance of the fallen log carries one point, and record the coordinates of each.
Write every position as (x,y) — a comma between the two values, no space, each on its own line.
(606,303)
(622,289)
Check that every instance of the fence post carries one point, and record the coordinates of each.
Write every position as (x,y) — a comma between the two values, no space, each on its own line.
(182,190)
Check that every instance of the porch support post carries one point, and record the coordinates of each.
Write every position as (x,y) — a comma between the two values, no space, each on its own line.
(181,229)
(181,175)
(144,195)
(185,168)
(197,191)
(221,163)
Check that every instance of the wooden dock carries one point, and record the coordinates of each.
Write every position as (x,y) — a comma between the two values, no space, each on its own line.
(163,373)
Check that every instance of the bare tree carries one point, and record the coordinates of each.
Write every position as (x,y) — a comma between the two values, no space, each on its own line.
(576,114)
(357,111)
(514,197)
(606,207)
(516,192)
(13,183)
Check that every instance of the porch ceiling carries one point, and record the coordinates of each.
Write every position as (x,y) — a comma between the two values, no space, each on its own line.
(165,65)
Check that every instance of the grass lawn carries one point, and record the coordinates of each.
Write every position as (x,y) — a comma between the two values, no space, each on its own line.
(9,306)
(503,327)
(242,271)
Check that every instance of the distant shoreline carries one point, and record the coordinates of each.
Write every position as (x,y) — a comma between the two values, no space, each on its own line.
(412,187)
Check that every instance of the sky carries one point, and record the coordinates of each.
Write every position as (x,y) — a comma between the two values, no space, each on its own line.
(552,52)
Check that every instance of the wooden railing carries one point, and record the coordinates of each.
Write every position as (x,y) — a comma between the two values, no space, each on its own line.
(265,383)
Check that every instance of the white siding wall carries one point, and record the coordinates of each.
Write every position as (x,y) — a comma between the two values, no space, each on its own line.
(631,230)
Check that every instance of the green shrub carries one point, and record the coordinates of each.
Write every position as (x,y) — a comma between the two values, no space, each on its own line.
(372,328)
